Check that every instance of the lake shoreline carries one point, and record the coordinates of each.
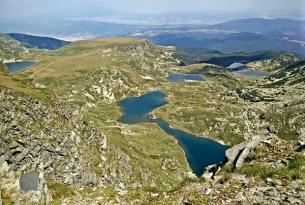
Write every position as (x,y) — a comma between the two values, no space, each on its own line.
(18,66)
(141,110)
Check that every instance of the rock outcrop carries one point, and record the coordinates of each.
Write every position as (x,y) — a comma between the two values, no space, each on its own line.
(210,171)
(53,140)
(238,153)
(300,146)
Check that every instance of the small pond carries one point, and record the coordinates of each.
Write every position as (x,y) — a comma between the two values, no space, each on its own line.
(251,73)
(29,181)
(181,77)
(18,66)
(199,151)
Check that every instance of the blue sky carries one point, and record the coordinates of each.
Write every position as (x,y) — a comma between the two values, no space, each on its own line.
(20,9)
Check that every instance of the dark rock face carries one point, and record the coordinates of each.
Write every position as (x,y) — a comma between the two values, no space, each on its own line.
(271,129)
(52,139)
(210,171)
(300,146)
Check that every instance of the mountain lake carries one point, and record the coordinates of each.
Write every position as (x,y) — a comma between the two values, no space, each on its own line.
(199,151)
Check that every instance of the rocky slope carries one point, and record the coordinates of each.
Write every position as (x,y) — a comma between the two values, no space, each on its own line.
(51,139)
(59,128)
(276,63)
(272,172)
(70,152)
(10,48)
(278,101)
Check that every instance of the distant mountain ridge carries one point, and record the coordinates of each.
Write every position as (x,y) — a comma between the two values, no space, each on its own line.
(38,41)
(72,29)
(259,25)
(242,35)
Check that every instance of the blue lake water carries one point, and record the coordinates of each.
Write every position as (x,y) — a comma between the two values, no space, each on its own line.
(180,77)
(199,151)
(29,181)
(136,109)
(251,73)
(18,66)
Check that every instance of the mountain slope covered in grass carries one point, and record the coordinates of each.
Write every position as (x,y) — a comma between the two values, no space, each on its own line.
(59,119)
